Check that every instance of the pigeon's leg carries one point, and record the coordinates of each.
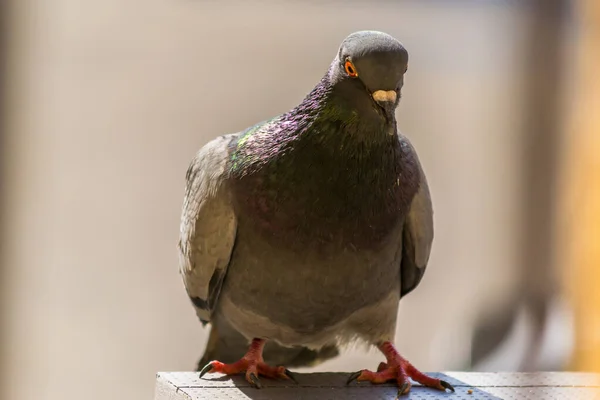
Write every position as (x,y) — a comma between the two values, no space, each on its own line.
(398,369)
(252,364)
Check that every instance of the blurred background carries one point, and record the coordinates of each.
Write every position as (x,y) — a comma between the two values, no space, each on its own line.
(105,103)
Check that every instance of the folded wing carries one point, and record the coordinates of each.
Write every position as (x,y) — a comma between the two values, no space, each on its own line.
(208,226)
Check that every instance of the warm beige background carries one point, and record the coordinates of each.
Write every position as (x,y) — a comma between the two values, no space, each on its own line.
(110,99)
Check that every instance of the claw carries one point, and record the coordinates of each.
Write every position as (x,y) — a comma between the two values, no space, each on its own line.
(207,368)
(446,385)
(253,379)
(291,375)
(353,377)
(404,389)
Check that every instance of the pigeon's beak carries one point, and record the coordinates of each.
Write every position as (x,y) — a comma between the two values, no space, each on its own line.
(386,99)
(384,96)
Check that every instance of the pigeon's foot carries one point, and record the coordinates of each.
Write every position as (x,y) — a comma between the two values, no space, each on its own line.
(398,369)
(252,364)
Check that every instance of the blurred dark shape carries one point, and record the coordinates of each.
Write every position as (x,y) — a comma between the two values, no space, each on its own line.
(538,284)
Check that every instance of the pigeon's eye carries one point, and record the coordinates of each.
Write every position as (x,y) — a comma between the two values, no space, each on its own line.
(350,69)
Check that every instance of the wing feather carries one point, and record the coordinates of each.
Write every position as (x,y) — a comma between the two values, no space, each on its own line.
(417,235)
(208,226)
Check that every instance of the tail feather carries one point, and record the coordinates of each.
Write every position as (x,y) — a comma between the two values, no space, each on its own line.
(227,345)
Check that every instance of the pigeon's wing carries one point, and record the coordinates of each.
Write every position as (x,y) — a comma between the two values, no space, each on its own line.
(417,234)
(208,226)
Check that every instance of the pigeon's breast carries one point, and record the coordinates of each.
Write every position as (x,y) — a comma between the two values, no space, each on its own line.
(319,239)
(320,208)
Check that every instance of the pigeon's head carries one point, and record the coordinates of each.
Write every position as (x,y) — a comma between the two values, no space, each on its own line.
(369,70)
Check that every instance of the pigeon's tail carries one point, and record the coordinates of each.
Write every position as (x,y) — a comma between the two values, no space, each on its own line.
(227,345)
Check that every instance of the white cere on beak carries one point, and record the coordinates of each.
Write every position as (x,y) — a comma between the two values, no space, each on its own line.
(384,95)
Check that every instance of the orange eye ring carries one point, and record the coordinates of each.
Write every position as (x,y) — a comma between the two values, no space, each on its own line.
(350,69)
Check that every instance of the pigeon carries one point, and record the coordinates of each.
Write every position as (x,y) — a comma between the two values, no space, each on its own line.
(304,231)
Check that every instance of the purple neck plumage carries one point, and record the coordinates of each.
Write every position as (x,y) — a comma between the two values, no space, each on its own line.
(320,174)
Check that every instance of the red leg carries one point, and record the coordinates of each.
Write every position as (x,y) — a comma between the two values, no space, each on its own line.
(252,364)
(399,369)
